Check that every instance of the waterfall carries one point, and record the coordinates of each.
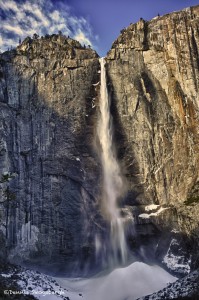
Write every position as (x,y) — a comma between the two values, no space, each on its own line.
(113,186)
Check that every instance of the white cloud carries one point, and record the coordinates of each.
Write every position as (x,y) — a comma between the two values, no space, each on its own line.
(36,11)
(28,17)
(9,5)
(15,29)
(34,23)
(80,36)
(55,16)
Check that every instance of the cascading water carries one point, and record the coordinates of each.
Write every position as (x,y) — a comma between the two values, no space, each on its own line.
(113,186)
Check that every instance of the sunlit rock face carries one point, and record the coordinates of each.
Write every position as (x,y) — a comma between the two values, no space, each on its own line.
(47,159)
(153,77)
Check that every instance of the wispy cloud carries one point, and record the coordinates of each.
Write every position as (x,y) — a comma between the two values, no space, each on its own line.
(14,29)
(21,18)
(80,36)
(1,42)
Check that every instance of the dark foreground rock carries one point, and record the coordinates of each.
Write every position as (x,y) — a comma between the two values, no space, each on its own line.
(21,283)
(183,289)
(8,282)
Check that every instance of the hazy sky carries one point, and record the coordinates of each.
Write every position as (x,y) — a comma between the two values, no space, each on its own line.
(91,22)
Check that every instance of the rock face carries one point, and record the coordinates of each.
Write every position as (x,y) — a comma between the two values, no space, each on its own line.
(47,162)
(50,172)
(154,80)
(154,75)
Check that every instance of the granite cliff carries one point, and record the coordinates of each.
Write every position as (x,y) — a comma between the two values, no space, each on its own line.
(48,165)
(50,170)
(154,79)
(154,73)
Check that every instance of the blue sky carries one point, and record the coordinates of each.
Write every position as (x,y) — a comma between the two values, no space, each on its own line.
(97,23)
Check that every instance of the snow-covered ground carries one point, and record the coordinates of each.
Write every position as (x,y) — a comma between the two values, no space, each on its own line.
(136,280)
(44,287)
(131,282)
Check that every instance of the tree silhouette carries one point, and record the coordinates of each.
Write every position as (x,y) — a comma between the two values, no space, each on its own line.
(35,36)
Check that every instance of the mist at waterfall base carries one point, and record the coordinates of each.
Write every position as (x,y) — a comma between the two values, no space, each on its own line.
(123,278)
(129,283)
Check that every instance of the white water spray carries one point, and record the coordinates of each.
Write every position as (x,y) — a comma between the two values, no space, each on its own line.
(113,186)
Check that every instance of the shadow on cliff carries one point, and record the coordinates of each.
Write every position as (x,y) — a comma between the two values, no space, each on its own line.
(152,106)
(125,154)
(57,173)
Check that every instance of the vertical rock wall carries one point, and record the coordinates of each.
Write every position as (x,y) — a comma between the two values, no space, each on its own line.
(48,167)
(154,77)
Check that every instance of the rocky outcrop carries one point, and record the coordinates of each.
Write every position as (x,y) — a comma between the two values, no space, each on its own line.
(186,288)
(48,167)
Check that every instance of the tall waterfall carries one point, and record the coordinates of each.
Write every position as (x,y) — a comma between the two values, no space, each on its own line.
(113,185)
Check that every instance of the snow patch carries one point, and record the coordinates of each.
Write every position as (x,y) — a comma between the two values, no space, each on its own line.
(5,173)
(158,212)
(44,287)
(151,207)
(6,275)
(176,262)
(175,230)
(147,216)
(144,216)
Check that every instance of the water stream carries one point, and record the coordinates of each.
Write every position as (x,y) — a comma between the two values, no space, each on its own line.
(112,185)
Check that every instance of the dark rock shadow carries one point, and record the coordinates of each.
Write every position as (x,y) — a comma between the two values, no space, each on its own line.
(47,150)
